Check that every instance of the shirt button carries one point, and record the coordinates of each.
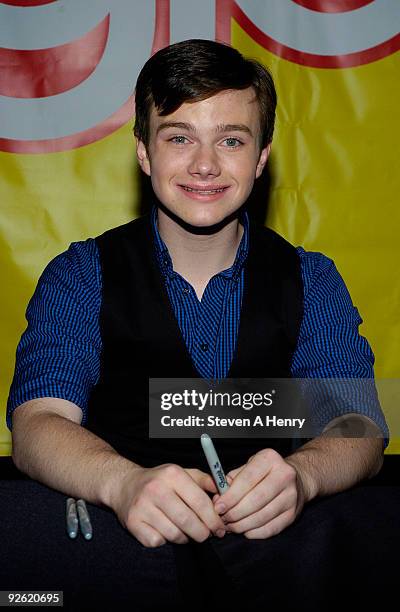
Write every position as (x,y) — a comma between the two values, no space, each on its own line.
(204,346)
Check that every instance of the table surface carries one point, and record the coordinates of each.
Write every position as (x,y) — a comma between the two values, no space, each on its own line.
(341,544)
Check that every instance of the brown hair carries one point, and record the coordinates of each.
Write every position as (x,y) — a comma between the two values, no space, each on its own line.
(194,70)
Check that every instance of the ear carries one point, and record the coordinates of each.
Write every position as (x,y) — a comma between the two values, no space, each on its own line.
(143,158)
(263,160)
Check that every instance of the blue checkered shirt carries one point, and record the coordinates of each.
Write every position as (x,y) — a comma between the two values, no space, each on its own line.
(59,353)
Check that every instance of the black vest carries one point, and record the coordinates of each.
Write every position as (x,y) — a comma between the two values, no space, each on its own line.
(141,340)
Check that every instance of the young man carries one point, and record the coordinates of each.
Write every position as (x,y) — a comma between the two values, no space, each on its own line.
(193,289)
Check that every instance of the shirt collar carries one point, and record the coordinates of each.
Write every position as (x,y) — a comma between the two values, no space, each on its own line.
(165,261)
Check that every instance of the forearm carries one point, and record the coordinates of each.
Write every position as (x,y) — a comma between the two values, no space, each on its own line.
(63,455)
(331,463)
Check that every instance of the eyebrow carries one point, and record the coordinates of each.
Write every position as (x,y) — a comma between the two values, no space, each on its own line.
(234,127)
(180,125)
(221,128)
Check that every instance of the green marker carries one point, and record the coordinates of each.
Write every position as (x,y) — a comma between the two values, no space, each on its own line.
(214,463)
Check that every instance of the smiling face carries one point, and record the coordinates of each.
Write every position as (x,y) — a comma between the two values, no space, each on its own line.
(204,157)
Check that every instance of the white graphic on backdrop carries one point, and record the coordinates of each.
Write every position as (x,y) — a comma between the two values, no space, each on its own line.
(325,33)
(87,106)
(104,91)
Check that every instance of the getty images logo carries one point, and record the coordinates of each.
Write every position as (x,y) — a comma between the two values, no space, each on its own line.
(69,67)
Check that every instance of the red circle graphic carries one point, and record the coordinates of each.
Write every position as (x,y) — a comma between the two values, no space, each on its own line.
(27,3)
(47,72)
(74,141)
(225,11)
(333,6)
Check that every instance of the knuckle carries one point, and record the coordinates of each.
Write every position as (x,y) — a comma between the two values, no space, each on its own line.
(253,469)
(134,528)
(259,497)
(288,478)
(180,538)
(215,525)
(155,540)
(267,454)
(172,471)
(288,474)
(204,504)
(174,535)
(274,530)
(152,487)
(294,495)
(202,535)
(291,499)
(131,520)
(183,518)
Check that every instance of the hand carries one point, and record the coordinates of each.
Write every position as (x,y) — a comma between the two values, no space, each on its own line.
(167,503)
(265,496)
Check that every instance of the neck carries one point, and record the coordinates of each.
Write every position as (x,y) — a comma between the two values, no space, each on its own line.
(198,257)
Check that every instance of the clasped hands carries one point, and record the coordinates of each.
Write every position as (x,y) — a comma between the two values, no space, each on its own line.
(172,503)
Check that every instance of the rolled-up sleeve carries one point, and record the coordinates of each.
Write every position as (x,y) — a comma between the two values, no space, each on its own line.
(330,345)
(59,352)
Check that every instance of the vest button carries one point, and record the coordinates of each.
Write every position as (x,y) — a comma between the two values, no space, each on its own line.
(204,346)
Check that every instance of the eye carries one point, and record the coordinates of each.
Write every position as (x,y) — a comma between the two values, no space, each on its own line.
(179,139)
(233,143)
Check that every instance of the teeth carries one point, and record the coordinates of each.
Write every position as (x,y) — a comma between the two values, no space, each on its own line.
(209,192)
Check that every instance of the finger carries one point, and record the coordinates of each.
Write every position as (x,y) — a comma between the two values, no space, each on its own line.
(216,497)
(244,481)
(205,481)
(272,528)
(233,473)
(167,528)
(202,517)
(222,507)
(148,536)
(195,497)
(281,504)
(182,516)
(260,496)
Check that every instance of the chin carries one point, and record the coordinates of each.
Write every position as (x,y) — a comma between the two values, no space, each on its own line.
(205,220)
(201,217)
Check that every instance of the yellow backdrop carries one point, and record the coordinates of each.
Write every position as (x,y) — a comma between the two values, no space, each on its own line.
(333,189)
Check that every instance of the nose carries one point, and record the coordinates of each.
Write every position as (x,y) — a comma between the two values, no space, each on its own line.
(204,162)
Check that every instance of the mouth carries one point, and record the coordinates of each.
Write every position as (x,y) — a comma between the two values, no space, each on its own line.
(206,190)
